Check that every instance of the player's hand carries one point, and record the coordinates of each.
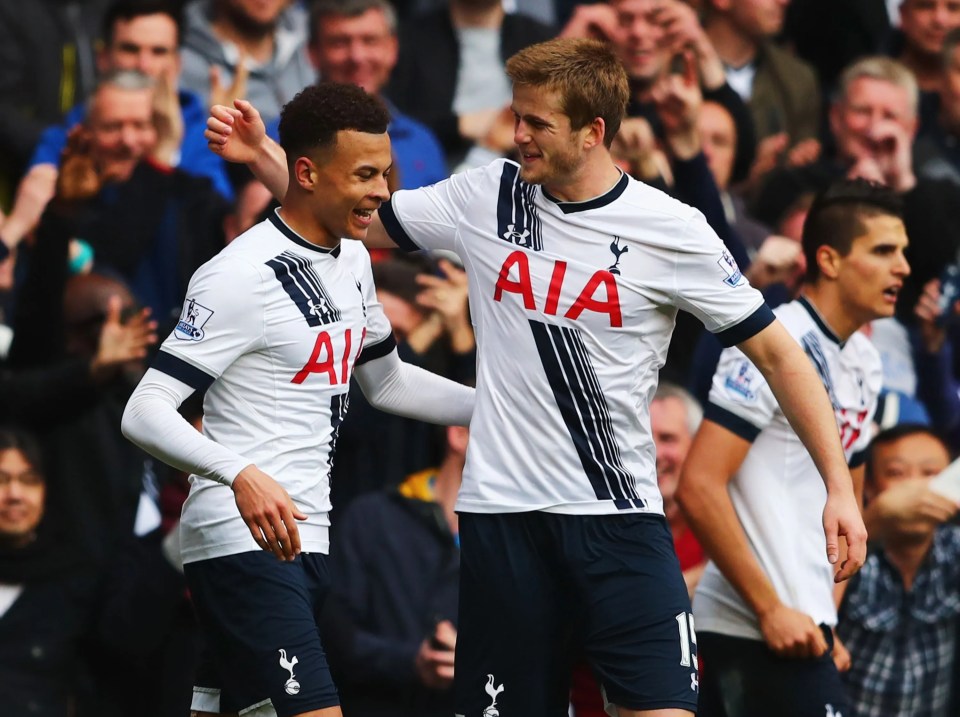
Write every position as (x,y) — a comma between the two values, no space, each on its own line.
(269,512)
(840,654)
(235,133)
(791,633)
(842,517)
(435,658)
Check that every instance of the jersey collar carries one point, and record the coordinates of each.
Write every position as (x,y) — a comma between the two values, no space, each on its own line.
(818,320)
(603,200)
(282,227)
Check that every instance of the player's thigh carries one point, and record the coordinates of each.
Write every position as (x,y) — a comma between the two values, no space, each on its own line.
(639,635)
(744,678)
(514,640)
(263,650)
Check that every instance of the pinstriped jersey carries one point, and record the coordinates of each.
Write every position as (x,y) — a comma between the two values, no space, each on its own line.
(573,306)
(274,326)
(778,492)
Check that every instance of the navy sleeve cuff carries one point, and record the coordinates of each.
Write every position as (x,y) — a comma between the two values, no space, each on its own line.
(378,350)
(394,229)
(732,422)
(182,371)
(749,327)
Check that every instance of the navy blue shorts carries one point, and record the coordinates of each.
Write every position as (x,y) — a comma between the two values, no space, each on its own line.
(744,678)
(540,590)
(262,643)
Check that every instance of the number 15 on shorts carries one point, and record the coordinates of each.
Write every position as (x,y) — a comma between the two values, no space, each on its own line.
(688,640)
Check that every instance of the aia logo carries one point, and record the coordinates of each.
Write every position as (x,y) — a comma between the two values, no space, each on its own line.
(326,360)
(603,282)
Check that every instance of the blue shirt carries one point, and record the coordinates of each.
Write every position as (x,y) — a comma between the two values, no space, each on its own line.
(416,151)
(195,157)
(903,642)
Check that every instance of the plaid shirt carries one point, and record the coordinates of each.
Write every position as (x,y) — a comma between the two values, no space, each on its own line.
(902,643)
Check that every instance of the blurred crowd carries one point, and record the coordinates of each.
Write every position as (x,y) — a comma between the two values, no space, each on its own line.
(110,199)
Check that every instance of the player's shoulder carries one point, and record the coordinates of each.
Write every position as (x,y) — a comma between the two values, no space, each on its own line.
(647,200)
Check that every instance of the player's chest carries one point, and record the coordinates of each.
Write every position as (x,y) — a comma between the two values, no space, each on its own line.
(587,277)
(315,325)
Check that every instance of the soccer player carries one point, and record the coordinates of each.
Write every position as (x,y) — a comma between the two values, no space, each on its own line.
(751,492)
(273,328)
(576,275)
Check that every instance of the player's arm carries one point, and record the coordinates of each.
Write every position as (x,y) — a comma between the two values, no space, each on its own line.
(713,460)
(398,387)
(803,400)
(239,135)
(151,421)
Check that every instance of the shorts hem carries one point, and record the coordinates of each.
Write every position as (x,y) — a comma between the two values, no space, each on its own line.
(205,699)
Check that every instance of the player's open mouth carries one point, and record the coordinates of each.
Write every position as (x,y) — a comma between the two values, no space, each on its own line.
(365,215)
(891,292)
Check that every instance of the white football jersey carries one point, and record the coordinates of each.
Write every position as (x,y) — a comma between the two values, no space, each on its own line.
(274,325)
(778,493)
(573,306)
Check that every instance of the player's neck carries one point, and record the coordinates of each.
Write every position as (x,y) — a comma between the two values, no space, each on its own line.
(301,220)
(594,180)
(831,310)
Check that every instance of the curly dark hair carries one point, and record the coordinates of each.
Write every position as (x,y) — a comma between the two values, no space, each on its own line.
(311,120)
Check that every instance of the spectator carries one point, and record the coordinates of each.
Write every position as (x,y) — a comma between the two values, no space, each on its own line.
(356,41)
(392,614)
(251,49)
(936,153)
(150,224)
(141,35)
(924,24)
(899,618)
(57,607)
(650,37)
(768,591)
(781,90)
(450,74)
(46,66)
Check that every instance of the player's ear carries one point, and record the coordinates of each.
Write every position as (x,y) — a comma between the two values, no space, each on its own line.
(305,172)
(828,260)
(594,132)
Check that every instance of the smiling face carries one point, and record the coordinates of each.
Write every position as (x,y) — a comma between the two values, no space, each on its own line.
(870,276)
(121,130)
(869,102)
(360,50)
(551,152)
(639,40)
(348,183)
(22,492)
(147,44)
(925,24)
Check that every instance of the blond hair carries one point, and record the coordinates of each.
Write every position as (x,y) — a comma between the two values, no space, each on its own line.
(587,75)
(884,69)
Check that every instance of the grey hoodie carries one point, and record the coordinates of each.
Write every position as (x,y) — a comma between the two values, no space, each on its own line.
(271,84)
